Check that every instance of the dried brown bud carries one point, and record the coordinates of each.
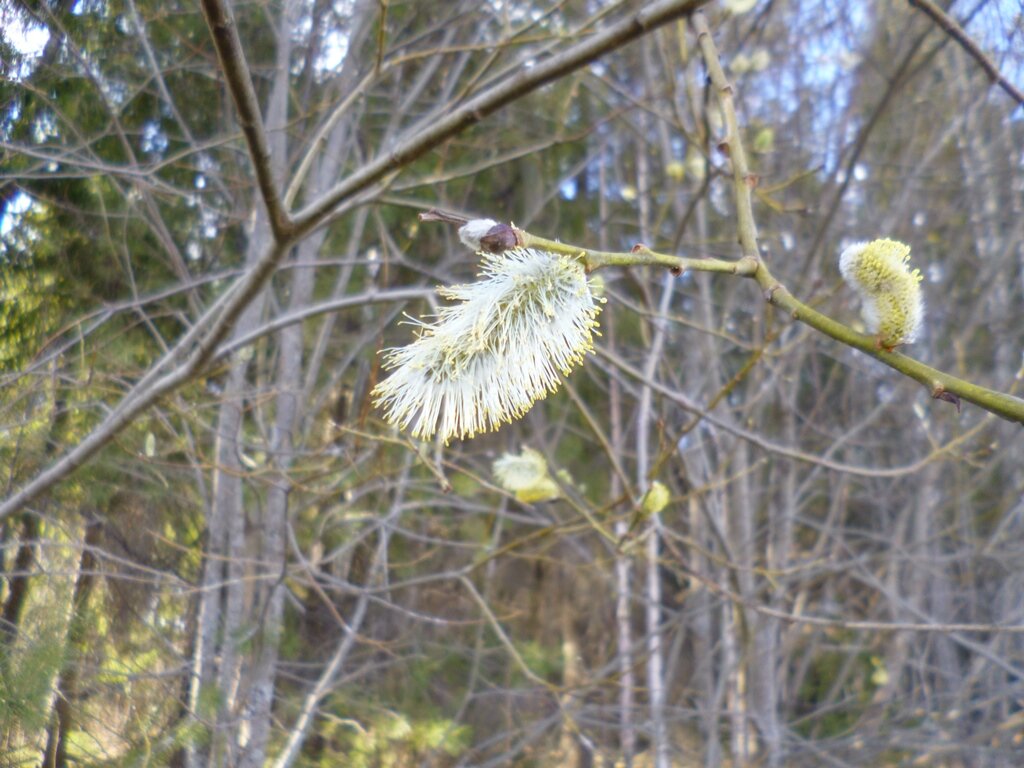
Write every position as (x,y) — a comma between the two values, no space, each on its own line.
(500,237)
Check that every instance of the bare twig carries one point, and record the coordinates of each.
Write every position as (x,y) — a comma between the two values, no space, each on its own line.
(243,93)
(321,308)
(176,367)
(436,129)
(949,25)
(817,621)
(774,448)
(502,636)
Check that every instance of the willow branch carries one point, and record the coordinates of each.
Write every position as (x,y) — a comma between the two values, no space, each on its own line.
(938,383)
(640,256)
(731,145)
(949,25)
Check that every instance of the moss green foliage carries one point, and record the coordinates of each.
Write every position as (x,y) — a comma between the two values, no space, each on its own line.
(857,679)
(27,672)
(374,734)
(390,740)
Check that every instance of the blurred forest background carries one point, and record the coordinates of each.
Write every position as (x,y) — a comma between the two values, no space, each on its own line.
(249,567)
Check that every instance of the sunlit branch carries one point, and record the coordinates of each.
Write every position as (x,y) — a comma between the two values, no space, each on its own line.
(640,256)
(940,385)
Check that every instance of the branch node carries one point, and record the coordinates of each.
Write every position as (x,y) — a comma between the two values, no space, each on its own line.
(883,347)
(939,393)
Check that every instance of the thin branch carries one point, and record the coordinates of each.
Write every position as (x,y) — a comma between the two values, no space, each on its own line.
(899,77)
(502,636)
(704,412)
(815,621)
(436,129)
(321,308)
(190,354)
(176,367)
(300,728)
(949,25)
(232,60)
(320,139)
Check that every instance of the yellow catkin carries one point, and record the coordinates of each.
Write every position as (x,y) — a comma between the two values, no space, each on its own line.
(893,307)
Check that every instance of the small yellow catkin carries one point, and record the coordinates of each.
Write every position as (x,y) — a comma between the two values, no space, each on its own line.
(526,475)
(893,307)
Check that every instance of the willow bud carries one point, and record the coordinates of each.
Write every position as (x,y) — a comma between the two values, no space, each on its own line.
(527,476)
(488,236)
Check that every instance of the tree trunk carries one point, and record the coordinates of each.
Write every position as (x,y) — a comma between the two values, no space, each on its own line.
(17,580)
(66,696)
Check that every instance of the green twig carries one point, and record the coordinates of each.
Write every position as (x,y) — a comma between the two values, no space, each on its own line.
(939,384)
(641,256)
